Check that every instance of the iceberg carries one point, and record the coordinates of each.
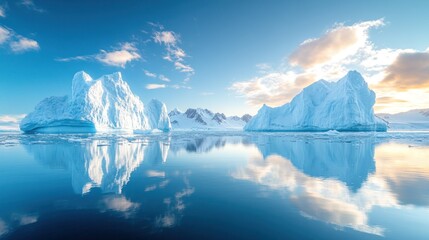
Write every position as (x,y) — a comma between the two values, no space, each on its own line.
(104,104)
(345,105)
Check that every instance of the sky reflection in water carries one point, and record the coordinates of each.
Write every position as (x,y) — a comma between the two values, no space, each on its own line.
(248,186)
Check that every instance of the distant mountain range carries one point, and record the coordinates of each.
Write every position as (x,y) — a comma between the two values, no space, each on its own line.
(413,119)
(204,119)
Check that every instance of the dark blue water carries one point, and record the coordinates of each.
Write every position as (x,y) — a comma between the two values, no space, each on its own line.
(215,186)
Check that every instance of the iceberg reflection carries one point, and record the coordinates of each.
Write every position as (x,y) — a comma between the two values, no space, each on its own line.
(350,162)
(327,200)
(336,180)
(107,165)
(341,182)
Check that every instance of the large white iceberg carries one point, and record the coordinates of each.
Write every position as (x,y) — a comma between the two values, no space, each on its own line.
(345,105)
(103,104)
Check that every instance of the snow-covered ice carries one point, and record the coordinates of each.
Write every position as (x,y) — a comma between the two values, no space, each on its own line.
(411,120)
(346,105)
(204,119)
(104,104)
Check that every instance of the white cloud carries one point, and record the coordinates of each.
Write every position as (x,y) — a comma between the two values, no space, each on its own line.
(154,75)
(336,44)
(2,12)
(155,86)
(178,53)
(23,44)
(5,34)
(163,78)
(149,74)
(183,68)
(264,67)
(16,42)
(409,70)
(127,52)
(166,37)
(119,58)
(170,40)
(178,86)
(32,6)
(77,58)
(275,88)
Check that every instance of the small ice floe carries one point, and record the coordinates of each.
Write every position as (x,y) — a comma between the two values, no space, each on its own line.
(332,132)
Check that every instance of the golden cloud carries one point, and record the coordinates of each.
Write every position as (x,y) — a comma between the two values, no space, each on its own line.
(335,44)
(408,71)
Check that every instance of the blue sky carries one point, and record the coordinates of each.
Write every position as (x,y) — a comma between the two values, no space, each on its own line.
(227,56)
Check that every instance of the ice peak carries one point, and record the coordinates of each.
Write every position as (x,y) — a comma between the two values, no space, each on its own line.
(265,107)
(80,82)
(175,112)
(114,77)
(82,76)
(155,102)
(354,73)
(246,117)
(354,78)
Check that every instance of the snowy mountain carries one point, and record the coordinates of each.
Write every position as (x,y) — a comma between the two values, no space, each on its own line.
(413,119)
(346,105)
(204,119)
(103,104)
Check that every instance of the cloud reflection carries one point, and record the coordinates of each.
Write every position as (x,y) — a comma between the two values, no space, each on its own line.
(405,168)
(340,182)
(328,200)
(3,227)
(336,179)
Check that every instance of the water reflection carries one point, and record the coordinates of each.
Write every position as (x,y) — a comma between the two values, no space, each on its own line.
(107,165)
(204,144)
(339,181)
(350,162)
(327,200)
(405,169)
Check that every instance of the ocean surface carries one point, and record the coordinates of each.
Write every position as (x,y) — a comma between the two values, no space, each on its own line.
(215,185)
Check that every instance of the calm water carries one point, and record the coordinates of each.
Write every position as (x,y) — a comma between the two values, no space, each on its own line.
(215,186)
